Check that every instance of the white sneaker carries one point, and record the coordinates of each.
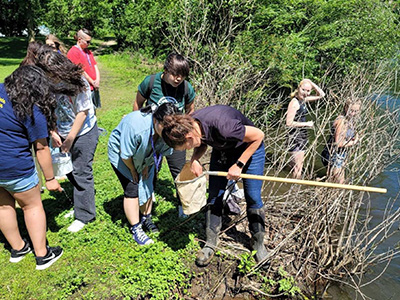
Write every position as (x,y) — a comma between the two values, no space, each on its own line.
(76,226)
(70,214)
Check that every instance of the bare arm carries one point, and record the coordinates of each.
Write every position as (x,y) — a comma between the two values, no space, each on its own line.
(88,78)
(138,104)
(96,82)
(254,137)
(129,163)
(55,139)
(291,113)
(319,93)
(76,127)
(44,158)
(196,166)
(189,108)
(340,135)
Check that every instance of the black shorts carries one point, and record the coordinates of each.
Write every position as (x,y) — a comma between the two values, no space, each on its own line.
(297,142)
(131,189)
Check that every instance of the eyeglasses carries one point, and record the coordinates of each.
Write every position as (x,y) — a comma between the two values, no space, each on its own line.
(87,42)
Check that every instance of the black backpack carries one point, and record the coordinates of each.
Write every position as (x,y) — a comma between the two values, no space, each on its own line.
(151,83)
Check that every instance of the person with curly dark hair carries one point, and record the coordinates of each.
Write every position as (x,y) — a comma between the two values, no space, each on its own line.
(27,106)
(31,53)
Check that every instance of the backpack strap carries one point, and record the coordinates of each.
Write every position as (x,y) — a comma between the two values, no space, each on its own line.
(150,86)
(186,92)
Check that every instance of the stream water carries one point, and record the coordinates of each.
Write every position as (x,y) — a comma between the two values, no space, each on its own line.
(387,286)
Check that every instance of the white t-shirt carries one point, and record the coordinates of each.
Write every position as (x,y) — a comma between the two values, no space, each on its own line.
(67,109)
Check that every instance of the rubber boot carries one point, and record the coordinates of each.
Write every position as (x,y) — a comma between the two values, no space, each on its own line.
(213,226)
(256,219)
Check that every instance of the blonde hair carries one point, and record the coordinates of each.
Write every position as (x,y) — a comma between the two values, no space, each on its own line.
(59,45)
(296,91)
(349,102)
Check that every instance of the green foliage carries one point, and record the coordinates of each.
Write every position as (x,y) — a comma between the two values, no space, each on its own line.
(139,25)
(18,17)
(305,38)
(65,17)
(246,263)
(102,261)
(285,284)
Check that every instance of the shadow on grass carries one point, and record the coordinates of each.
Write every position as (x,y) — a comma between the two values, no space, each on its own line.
(174,231)
(10,62)
(60,203)
(22,230)
(115,209)
(13,47)
(52,207)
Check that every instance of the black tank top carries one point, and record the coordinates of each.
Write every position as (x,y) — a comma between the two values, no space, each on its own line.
(300,116)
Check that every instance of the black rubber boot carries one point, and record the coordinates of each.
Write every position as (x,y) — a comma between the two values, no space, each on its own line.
(213,226)
(256,219)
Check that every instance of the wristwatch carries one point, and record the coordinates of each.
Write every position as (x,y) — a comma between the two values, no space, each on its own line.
(240,164)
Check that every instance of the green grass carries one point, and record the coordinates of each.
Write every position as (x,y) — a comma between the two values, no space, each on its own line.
(102,261)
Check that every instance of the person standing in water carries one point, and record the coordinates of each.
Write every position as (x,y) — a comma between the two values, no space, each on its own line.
(296,121)
(343,136)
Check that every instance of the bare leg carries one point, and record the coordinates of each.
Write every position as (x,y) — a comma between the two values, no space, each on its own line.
(297,160)
(146,208)
(8,220)
(35,218)
(131,209)
(337,175)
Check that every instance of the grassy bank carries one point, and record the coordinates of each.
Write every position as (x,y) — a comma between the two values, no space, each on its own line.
(102,261)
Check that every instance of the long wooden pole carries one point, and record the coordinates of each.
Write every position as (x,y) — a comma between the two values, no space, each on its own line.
(305,182)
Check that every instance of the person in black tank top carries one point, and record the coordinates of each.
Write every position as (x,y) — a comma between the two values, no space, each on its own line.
(296,121)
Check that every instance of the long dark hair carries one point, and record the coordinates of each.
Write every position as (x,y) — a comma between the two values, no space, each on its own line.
(28,86)
(165,109)
(31,53)
(61,69)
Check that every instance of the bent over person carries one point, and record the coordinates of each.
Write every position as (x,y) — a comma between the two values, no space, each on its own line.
(237,146)
(135,151)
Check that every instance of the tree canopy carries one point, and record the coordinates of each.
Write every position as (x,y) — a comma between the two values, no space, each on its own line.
(290,38)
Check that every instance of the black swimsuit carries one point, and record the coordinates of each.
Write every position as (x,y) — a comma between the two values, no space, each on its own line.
(298,137)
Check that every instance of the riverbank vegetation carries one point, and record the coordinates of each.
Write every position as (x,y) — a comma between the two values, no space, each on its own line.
(248,54)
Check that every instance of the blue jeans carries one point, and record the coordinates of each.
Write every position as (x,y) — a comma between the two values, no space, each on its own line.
(222,161)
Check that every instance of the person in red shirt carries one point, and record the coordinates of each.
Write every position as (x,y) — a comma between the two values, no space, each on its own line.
(80,54)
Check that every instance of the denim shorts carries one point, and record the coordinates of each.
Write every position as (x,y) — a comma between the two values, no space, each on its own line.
(20,184)
(337,160)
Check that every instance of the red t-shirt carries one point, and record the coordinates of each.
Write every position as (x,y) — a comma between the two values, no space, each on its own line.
(84,58)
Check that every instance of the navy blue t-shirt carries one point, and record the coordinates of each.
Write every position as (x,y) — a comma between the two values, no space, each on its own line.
(222,126)
(16,138)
